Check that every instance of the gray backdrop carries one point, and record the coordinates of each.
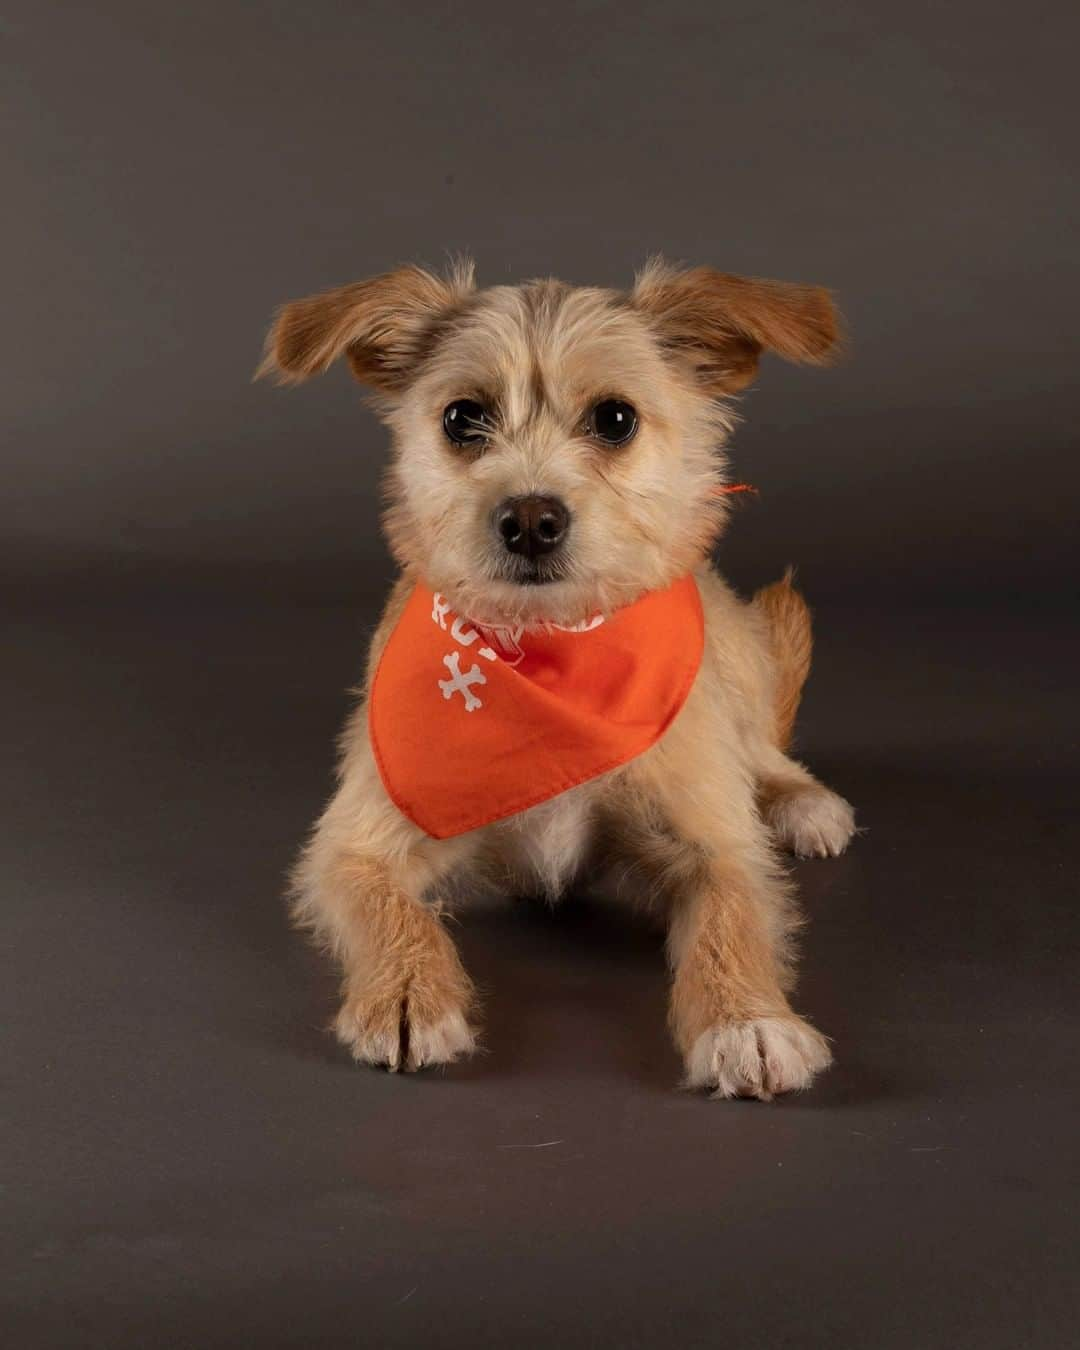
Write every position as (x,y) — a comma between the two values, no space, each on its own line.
(177,171)
(191,562)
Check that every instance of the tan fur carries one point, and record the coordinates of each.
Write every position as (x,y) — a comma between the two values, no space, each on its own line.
(689,827)
(721,324)
(382,326)
(792,644)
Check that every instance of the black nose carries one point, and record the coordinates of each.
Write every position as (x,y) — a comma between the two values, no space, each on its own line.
(532,526)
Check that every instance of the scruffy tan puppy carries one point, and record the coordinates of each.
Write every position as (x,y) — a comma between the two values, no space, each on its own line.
(604,413)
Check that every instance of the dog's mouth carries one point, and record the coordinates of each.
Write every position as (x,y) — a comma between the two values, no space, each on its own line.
(533,572)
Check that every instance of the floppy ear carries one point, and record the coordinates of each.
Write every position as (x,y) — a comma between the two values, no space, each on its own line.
(720,324)
(383,326)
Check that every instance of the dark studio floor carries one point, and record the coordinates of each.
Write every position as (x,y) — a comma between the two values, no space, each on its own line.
(192,1162)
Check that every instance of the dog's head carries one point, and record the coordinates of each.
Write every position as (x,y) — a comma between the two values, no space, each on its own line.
(557,450)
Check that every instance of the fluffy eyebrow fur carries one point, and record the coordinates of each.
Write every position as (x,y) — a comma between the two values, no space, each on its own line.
(720,324)
(383,326)
(543,345)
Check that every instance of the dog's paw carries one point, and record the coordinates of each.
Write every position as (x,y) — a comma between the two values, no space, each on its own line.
(758,1058)
(404,1030)
(812,822)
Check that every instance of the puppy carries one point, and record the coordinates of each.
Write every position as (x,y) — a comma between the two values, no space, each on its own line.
(558,480)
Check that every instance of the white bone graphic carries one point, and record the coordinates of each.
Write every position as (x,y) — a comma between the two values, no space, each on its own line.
(439,610)
(459,683)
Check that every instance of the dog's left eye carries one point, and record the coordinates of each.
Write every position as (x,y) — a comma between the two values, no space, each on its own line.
(613,421)
(465,421)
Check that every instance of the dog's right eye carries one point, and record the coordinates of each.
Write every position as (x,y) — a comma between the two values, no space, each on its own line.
(465,421)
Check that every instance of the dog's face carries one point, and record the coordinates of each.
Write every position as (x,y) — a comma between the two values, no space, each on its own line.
(557,450)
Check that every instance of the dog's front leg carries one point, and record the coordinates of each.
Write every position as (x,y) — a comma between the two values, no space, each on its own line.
(407,999)
(729,1014)
(803,814)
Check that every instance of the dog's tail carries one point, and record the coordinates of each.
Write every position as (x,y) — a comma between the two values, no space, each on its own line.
(791,638)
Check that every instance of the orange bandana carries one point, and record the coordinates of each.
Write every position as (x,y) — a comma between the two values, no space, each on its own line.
(472,724)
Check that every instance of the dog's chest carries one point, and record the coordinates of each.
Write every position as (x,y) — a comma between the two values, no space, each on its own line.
(547,843)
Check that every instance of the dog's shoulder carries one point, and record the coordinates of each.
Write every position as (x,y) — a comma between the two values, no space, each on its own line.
(738,662)
(392,612)
(734,629)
